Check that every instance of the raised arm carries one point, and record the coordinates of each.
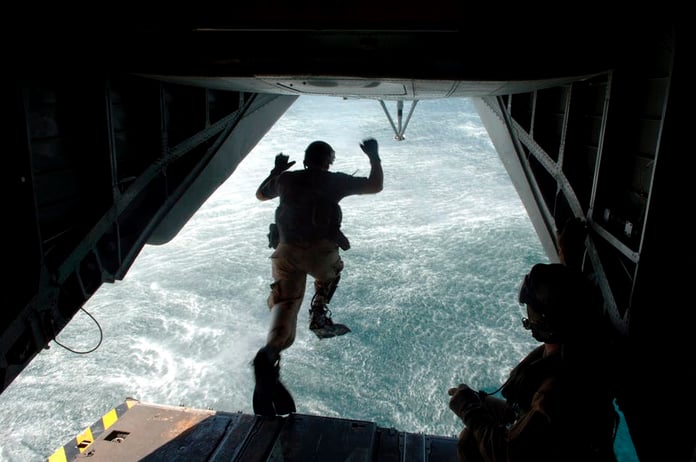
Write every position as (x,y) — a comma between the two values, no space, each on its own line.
(267,189)
(375,182)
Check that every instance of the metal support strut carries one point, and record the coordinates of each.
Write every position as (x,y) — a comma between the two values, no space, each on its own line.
(399,132)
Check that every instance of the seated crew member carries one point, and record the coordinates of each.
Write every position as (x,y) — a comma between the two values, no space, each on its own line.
(306,237)
(558,402)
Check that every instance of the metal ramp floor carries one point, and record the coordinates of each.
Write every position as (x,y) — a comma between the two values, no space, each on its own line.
(136,431)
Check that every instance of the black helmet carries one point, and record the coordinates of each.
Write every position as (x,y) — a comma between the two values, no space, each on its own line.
(318,154)
(564,301)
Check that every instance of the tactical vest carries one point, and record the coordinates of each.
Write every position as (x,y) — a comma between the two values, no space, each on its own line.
(525,379)
(309,217)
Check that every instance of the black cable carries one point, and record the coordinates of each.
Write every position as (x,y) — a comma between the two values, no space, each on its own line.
(101,337)
(483,393)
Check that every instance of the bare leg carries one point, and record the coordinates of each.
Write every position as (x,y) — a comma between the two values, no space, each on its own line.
(281,334)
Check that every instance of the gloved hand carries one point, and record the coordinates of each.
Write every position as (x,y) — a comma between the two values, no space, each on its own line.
(463,400)
(371,148)
(282,164)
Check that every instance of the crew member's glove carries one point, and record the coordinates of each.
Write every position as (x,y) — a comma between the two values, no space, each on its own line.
(463,400)
(370,147)
(282,164)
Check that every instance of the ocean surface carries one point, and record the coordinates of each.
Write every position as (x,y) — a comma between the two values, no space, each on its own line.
(429,290)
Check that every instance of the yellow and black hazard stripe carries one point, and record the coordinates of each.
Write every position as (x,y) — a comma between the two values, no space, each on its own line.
(81,442)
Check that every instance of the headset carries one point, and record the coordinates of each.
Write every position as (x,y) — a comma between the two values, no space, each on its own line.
(547,328)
